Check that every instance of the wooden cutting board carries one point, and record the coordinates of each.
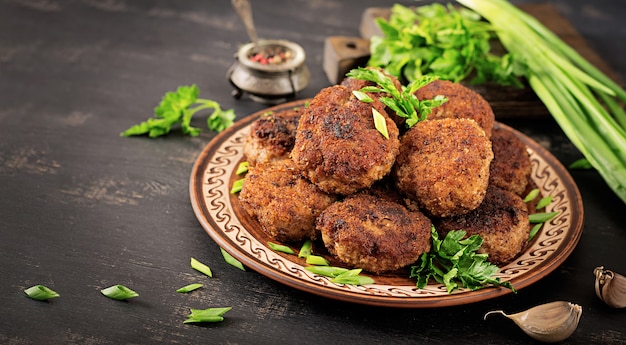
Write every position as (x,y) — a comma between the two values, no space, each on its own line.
(343,53)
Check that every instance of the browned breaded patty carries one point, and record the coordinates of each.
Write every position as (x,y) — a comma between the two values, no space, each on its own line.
(501,220)
(272,136)
(283,201)
(372,233)
(463,102)
(337,145)
(510,168)
(444,166)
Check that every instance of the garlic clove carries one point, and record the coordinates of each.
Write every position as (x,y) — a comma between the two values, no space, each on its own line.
(551,322)
(610,287)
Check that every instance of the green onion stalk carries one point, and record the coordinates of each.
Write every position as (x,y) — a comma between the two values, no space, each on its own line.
(583,101)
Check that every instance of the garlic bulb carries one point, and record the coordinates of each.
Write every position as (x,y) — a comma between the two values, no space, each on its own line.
(550,322)
(610,287)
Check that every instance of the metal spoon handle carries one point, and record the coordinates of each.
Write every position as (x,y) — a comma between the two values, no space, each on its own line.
(245,13)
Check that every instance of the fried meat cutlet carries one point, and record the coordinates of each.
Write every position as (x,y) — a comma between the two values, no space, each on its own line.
(444,166)
(501,220)
(272,136)
(283,201)
(337,145)
(510,168)
(375,234)
(463,102)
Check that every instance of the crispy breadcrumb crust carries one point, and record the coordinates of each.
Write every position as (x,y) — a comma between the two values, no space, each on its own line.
(373,233)
(463,103)
(272,136)
(284,202)
(510,168)
(337,146)
(444,166)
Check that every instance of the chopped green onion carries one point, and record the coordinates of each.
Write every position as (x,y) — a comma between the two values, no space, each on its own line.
(581,164)
(327,271)
(341,275)
(305,250)
(316,260)
(534,231)
(206,315)
(119,292)
(199,266)
(543,202)
(532,195)
(541,217)
(352,280)
(208,318)
(237,186)
(380,123)
(362,96)
(280,248)
(40,293)
(189,288)
(242,168)
(231,260)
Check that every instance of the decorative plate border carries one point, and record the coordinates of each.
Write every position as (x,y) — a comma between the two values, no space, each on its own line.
(219,214)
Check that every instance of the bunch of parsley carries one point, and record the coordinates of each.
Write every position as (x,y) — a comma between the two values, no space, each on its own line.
(451,43)
(454,262)
(175,108)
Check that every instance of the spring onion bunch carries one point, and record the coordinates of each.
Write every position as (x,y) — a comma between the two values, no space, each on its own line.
(583,100)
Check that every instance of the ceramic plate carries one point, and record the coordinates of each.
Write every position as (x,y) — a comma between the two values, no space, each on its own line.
(232,229)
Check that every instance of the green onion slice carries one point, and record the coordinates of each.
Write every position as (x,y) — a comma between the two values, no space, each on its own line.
(237,186)
(541,217)
(280,248)
(119,292)
(206,315)
(341,275)
(199,266)
(543,202)
(327,271)
(305,250)
(380,123)
(581,164)
(189,288)
(362,96)
(352,280)
(532,195)
(40,293)
(534,231)
(231,260)
(242,168)
(204,319)
(316,260)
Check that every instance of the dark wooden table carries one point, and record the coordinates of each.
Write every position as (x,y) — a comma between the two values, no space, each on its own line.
(82,208)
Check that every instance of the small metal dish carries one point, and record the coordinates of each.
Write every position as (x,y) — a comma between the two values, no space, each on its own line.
(269,82)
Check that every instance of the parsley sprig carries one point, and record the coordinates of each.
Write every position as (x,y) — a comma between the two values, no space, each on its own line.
(403,102)
(453,43)
(177,107)
(455,263)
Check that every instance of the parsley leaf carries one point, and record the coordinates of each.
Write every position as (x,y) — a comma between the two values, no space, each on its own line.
(403,102)
(451,43)
(176,107)
(455,263)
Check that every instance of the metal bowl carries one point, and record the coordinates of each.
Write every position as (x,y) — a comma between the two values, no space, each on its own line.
(269,83)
